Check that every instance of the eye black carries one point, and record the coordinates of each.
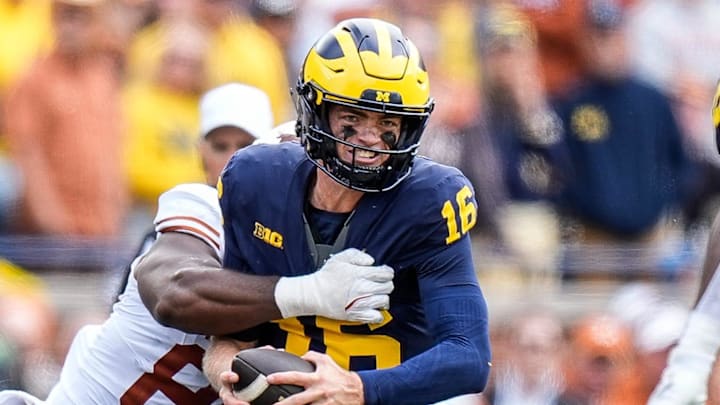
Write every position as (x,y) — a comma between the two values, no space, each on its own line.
(348,131)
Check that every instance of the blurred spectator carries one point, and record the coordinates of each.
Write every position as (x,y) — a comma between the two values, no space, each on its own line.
(656,324)
(123,19)
(559,25)
(26,32)
(654,336)
(315,17)
(25,27)
(522,129)
(28,327)
(63,125)
(443,32)
(163,121)
(445,37)
(599,356)
(239,50)
(233,116)
(675,45)
(512,152)
(530,373)
(279,18)
(629,167)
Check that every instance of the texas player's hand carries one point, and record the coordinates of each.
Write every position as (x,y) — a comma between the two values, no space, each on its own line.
(328,384)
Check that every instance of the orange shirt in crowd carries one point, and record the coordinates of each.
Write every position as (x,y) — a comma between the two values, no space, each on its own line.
(559,26)
(64,132)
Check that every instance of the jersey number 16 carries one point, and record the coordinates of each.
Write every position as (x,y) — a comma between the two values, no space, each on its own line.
(465,210)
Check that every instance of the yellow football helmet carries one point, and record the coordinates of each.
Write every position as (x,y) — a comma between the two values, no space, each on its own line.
(366,64)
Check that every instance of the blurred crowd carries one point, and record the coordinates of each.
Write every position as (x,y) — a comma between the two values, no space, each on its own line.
(611,355)
(584,126)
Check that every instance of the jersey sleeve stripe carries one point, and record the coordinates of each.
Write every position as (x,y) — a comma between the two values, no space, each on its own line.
(193,231)
(191,219)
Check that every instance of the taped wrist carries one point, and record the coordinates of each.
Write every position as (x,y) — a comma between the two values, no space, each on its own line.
(293,296)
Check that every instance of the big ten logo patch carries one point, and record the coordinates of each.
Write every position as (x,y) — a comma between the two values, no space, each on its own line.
(268,236)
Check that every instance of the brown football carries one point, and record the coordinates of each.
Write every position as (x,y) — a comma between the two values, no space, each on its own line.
(253,365)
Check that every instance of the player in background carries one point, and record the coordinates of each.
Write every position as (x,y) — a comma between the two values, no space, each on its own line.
(354,182)
(685,379)
(130,358)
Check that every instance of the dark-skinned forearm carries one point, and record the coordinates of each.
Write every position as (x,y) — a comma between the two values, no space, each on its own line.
(183,286)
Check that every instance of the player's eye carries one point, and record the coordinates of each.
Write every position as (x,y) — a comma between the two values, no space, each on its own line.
(390,123)
(350,118)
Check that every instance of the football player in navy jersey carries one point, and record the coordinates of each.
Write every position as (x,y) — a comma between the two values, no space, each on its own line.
(353,186)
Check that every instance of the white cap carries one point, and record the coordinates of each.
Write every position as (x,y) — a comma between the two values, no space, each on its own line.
(236,105)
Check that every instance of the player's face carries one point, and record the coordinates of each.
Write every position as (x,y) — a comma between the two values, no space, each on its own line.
(365,128)
(217,148)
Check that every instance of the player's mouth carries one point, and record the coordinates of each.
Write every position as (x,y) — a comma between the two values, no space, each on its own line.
(363,158)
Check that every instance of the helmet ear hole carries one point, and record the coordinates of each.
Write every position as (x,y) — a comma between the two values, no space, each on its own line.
(310,94)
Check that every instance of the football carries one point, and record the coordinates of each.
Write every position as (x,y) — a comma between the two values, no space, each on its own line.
(253,365)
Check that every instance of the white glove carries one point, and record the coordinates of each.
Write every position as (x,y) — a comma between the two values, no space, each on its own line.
(347,287)
(685,379)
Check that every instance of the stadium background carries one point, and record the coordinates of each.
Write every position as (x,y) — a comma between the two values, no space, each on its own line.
(525,261)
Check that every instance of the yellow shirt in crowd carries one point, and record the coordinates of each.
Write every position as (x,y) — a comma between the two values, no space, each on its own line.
(239,51)
(163,130)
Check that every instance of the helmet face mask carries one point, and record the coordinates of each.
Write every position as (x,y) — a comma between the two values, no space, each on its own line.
(368,65)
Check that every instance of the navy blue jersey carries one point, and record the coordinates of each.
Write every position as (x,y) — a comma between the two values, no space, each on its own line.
(418,228)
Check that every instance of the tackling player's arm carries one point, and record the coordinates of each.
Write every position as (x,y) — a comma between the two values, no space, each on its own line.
(181,283)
